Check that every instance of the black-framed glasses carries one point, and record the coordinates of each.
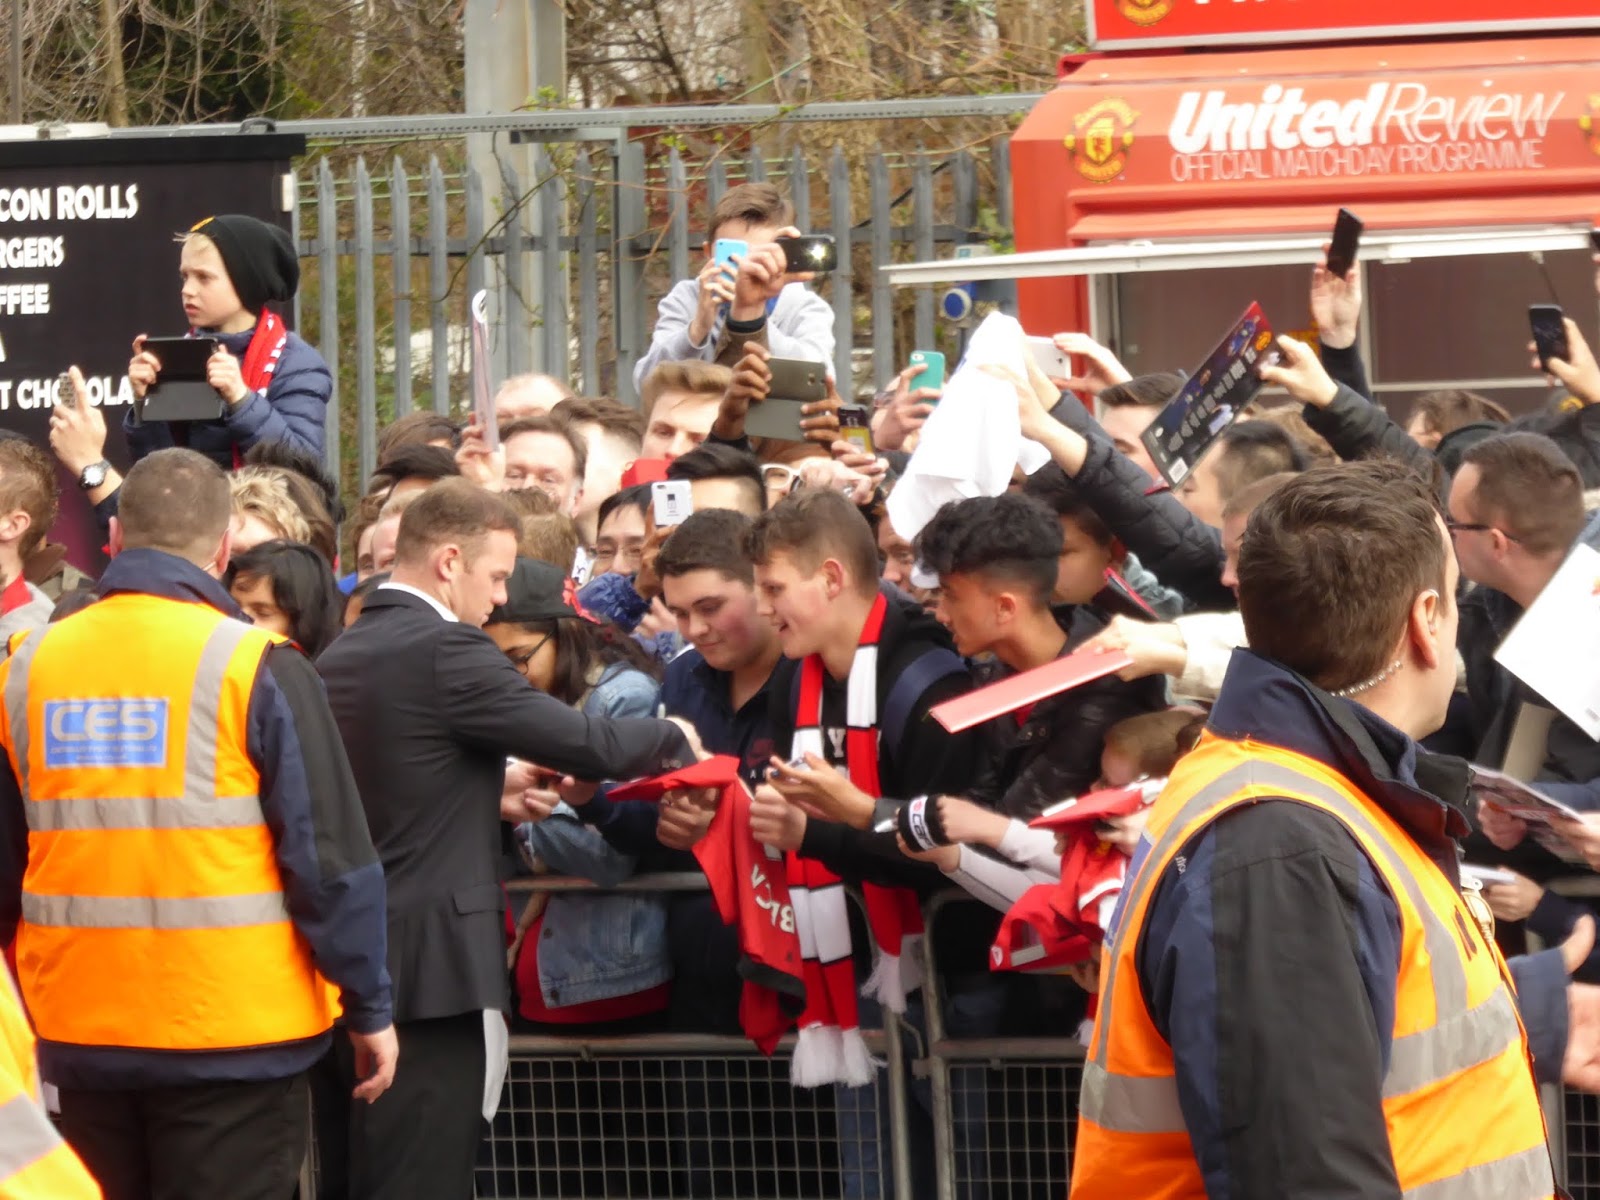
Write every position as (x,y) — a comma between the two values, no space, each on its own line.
(522,658)
(1456,527)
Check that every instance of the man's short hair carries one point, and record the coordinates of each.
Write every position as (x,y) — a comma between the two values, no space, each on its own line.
(1252,450)
(1290,418)
(711,461)
(174,500)
(413,462)
(550,537)
(1248,498)
(420,428)
(636,497)
(811,526)
(1450,409)
(712,540)
(1057,491)
(452,510)
(613,418)
(28,482)
(1528,489)
(529,502)
(263,493)
(752,203)
(555,427)
(396,506)
(692,375)
(289,456)
(1331,564)
(1142,391)
(1005,539)
(534,379)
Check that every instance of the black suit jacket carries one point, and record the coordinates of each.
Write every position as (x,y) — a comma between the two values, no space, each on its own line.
(429,709)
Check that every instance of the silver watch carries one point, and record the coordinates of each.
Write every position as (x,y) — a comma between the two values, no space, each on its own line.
(94,475)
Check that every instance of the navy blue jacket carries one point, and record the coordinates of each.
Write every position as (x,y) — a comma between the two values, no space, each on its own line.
(294,409)
(1270,954)
(694,690)
(332,880)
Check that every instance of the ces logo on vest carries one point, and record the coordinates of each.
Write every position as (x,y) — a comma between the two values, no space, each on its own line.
(105,733)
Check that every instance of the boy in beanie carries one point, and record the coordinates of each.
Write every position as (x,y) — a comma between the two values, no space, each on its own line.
(275,385)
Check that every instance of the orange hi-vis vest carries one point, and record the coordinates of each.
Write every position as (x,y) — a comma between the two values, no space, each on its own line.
(35,1164)
(1459,1098)
(153,912)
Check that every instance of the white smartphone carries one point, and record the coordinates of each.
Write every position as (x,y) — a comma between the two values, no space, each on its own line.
(672,500)
(1054,362)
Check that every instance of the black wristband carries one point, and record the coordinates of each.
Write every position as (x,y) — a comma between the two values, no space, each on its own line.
(747,327)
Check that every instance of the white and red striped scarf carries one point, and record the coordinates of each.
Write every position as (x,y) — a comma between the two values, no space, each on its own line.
(830,1048)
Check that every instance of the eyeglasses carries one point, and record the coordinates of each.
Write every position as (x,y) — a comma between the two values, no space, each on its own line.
(1456,527)
(522,658)
(779,477)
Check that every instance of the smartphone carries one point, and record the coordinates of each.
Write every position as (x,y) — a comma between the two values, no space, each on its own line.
(1549,333)
(797,379)
(1594,239)
(672,501)
(66,394)
(724,249)
(855,427)
(1052,360)
(816,253)
(1347,229)
(930,369)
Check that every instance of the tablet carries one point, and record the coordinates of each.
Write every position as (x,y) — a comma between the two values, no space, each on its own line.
(180,392)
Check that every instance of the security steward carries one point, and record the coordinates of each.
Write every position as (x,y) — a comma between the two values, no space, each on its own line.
(185,864)
(1295,1000)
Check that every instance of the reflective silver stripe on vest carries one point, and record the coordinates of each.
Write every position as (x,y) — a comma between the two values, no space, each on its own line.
(26,1136)
(144,812)
(1130,1103)
(17,703)
(1522,1176)
(205,704)
(1459,1038)
(154,912)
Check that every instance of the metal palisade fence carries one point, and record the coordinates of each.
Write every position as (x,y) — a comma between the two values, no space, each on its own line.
(577,251)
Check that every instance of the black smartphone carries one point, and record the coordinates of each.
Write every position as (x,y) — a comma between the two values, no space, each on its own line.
(1346,242)
(1594,239)
(1548,323)
(817,253)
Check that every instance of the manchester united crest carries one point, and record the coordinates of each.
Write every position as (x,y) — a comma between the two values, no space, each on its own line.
(1590,124)
(1102,139)
(1144,12)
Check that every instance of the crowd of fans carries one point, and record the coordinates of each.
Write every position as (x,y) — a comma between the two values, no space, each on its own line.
(789,558)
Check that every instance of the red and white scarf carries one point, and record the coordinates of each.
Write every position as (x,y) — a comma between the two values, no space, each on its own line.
(830,1048)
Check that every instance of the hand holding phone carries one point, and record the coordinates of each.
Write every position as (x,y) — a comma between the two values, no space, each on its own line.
(817,254)
(1549,327)
(1347,230)
(930,370)
(855,427)
(724,250)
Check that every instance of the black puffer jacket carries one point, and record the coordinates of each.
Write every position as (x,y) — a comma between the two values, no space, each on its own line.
(1055,753)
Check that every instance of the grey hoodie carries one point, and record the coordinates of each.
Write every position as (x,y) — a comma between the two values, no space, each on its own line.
(35,614)
(800,326)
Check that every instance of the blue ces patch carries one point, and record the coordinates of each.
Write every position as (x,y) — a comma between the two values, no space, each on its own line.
(105,733)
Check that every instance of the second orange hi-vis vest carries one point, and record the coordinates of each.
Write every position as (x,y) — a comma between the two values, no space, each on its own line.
(153,911)
(1459,1098)
(35,1164)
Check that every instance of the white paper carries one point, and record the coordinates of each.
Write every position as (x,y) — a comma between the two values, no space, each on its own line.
(973,439)
(1554,649)
(496,1060)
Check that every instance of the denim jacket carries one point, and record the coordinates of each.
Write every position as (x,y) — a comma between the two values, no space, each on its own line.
(597,947)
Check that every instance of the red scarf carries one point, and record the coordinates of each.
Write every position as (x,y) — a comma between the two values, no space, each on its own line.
(830,1047)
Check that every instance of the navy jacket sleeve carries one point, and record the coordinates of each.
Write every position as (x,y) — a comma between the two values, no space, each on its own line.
(1541,981)
(485,700)
(1270,964)
(1357,428)
(1345,366)
(628,825)
(13,851)
(332,878)
(294,408)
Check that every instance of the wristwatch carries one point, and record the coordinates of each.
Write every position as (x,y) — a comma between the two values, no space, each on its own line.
(93,475)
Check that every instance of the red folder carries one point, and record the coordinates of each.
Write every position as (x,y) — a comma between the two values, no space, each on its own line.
(1029,687)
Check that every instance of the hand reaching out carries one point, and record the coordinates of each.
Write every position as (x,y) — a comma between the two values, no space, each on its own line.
(1301,374)
(1336,303)
(1580,375)
(1102,368)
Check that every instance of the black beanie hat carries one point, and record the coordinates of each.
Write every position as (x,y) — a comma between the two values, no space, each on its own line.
(260,258)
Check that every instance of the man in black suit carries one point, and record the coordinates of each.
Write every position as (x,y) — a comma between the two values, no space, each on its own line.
(429,709)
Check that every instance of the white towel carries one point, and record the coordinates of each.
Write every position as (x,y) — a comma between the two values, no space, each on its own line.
(973,439)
